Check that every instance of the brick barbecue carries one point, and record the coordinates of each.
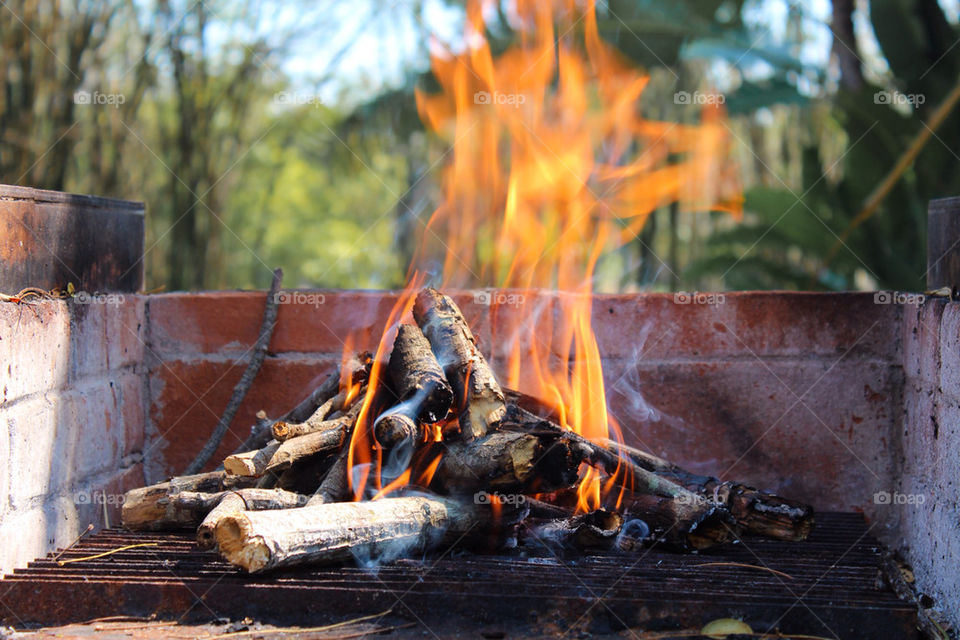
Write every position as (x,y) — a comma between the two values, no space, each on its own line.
(832,399)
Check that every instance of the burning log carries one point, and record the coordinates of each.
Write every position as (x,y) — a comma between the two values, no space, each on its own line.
(507,461)
(220,505)
(329,533)
(597,530)
(422,389)
(480,402)
(691,523)
(752,510)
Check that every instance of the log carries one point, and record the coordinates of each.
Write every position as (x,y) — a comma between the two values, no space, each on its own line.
(335,486)
(628,473)
(753,510)
(251,463)
(150,508)
(320,421)
(312,444)
(358,368)
(680,523)
(478,396)
(506,461)
(227,503)
(331,533)
(423,393)
(597,530)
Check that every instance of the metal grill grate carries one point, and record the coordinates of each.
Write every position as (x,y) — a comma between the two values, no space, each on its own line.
(833,589)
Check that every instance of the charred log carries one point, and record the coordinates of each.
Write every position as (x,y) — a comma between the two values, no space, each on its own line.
(480,403)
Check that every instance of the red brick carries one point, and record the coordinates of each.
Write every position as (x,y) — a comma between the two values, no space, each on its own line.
(747,323)
(189,397)
(215,321)
(712,418)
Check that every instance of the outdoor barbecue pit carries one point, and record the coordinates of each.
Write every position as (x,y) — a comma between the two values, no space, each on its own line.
(841,401)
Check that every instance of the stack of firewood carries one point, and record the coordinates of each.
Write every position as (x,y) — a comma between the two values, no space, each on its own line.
(407,455)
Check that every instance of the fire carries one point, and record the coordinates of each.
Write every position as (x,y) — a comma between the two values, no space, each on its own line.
(552,165)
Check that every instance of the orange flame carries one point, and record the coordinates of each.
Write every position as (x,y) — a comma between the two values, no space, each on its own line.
(552,165)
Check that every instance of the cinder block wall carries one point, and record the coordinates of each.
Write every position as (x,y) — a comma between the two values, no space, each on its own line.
(926,501)
(71,419)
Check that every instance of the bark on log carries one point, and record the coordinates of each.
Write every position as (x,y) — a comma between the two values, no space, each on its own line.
(756,511)
(335,486)
(477,394)
(153,511)
(417,377)
(251,463)
(320,421)
(149,508)
(359,370)
(597,530)
(227,503)
(507,461)
(312,444)
(330,533)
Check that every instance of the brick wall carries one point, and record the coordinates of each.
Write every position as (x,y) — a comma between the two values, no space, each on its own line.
(72,399)
(828,398)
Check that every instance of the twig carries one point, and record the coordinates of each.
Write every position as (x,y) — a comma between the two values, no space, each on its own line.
(145,625)
(107,553)
(243,386)
(329,627)
(69,546)
(746,566)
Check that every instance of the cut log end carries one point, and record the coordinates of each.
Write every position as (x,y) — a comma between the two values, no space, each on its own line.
(393,429)
(239,545)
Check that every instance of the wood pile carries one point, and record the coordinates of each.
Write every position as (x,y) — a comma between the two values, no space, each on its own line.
(426,449)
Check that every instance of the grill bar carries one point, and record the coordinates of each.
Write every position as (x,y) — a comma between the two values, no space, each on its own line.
(834,588)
